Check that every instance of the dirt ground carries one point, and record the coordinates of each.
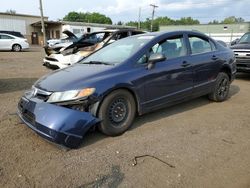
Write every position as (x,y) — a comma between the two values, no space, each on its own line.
(200,143)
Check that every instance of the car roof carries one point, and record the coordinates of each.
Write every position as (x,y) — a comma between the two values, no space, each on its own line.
(177,32)
(14,33)
(8,34)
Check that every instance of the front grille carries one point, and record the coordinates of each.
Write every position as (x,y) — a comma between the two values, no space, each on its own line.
(243,65)
(243,60)
(29,117)
(242,51)
(21,104)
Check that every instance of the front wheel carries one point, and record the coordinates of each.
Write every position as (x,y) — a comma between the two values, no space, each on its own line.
(117,112)
(221,89)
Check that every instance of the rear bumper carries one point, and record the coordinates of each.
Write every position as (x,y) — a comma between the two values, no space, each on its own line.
(25,46)
(58,124)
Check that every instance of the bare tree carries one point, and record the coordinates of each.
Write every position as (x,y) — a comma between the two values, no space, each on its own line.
(11,11)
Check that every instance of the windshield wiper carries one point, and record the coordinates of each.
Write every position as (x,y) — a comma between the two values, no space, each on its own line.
(97,63)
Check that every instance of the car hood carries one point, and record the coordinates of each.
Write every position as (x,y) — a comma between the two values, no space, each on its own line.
(69,34)
(241,46)
(73,77)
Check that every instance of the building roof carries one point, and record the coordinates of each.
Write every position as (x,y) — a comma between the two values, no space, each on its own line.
(96,25)
(38,24)
(211,28)
(108,26)
(23,15)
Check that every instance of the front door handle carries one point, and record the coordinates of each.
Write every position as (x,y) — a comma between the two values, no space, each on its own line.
(185,64)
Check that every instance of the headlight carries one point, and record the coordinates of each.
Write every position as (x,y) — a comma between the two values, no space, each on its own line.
(70,95)
(61,49)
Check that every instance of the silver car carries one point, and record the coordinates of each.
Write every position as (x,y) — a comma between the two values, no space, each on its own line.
(11,42)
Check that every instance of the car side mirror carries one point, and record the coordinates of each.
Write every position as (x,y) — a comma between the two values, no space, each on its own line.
(155,58)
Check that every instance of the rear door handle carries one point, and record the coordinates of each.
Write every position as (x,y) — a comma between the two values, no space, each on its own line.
(185,64)
(214,57)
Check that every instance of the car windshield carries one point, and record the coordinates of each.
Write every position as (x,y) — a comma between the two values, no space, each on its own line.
(245,38)
(118,51)
(94,37)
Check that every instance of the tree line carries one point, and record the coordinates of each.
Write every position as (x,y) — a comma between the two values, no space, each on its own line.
(146,24)
(87,17)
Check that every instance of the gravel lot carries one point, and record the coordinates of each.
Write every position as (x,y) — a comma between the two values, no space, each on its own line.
(207,143)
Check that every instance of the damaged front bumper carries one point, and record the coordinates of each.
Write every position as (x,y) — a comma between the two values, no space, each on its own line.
(59,61)
(58,124)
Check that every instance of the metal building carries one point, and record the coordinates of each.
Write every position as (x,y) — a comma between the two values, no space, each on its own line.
(30,27)
(21,23)
(224,32)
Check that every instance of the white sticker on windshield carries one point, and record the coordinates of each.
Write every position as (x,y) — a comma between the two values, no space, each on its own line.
(146,37)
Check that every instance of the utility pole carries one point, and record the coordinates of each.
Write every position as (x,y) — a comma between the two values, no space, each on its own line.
(153,14)
(42,22)
(139,19)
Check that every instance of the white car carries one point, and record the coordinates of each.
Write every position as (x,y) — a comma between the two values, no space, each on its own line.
(84,47)
(11,42)
(59,61)
(55,45)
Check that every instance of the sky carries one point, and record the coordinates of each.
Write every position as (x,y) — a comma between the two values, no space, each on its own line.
(128,10)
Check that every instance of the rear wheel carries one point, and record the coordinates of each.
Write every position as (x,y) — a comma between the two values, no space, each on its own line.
(117,112)
(221,89)
(16,48)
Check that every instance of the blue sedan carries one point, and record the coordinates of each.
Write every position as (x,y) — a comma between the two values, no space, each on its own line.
(130,77)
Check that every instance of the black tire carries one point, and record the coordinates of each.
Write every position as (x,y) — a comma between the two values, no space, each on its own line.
(221,89)
(117,112)
(16,48)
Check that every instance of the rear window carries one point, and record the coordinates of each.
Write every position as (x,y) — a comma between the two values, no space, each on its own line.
(17,34)
(94,37)
(5,37)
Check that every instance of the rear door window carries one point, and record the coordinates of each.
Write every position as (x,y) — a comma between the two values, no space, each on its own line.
(200,45)
(172,47)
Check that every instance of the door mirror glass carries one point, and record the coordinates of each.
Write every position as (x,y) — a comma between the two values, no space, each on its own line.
(157,57)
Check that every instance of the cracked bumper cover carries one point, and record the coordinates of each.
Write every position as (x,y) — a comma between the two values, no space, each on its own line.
(55,123)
